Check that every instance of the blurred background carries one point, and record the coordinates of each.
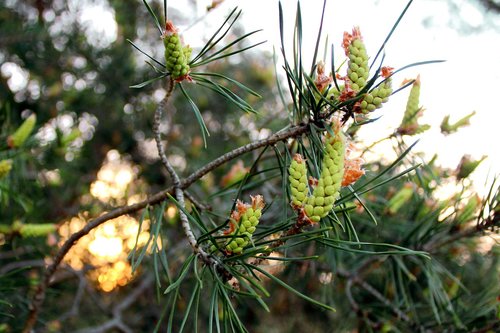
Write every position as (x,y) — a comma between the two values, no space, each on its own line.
(92,149)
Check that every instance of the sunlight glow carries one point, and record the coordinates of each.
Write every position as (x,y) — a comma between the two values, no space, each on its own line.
(105,249)
(113,179)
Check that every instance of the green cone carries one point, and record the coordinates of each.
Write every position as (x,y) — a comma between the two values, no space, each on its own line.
(358,70)
(298,180)
(320,203)
(244,221)
(409,124)
(176,55)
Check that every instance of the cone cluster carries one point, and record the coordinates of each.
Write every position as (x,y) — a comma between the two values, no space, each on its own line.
(325,192)
(176,55)
(357,77)
(243,223)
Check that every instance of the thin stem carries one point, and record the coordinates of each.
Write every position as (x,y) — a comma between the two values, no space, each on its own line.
(117,320)
(437,243)
(179,194)
(376,143)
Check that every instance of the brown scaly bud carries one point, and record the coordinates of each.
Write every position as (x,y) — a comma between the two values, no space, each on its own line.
(257,202)
(352,167)
(347,92)
(386,71)
(322,81)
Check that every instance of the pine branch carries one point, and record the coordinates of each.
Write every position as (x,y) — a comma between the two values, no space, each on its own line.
(39,296)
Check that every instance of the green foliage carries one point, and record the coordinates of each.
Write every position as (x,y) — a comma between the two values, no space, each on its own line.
(368,250)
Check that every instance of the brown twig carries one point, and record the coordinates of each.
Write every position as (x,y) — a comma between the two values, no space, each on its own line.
(439,242)
(199,205)
(355,306)
(374,292)
(17,252)
(179,193)
(39,296)
(21,264)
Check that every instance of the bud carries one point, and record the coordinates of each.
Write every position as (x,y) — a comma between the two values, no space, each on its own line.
(409,124)
(22,133)
(322,81)
(447,128)
(467,166)
(5,167)
(176,55)
(412,105)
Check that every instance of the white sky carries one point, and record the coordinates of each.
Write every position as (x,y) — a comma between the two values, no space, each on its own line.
(468,81)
